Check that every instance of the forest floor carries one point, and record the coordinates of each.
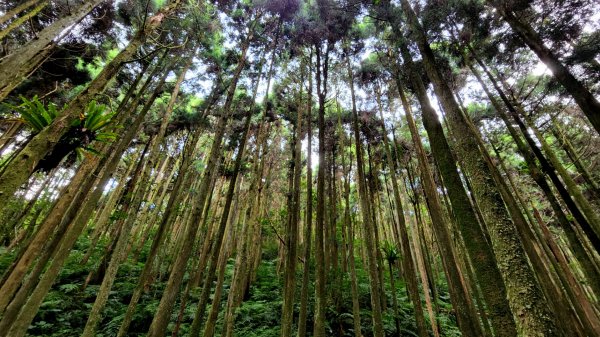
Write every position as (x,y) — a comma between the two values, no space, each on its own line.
(66,307)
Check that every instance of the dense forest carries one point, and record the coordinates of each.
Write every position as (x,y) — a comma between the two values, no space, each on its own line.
(299,168)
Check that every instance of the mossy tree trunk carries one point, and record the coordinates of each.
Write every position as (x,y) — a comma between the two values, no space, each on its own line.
(525,296)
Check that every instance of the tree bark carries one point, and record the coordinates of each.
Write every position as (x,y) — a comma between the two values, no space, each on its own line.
(582,96)
(366,211)
(17,66)
(525,297)
(22,165)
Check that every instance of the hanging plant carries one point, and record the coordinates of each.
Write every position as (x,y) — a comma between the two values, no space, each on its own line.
(89,127)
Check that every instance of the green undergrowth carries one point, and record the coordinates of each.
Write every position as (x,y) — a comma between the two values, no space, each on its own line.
(66,307)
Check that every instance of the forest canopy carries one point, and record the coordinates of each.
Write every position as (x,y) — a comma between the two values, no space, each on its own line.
(299,168)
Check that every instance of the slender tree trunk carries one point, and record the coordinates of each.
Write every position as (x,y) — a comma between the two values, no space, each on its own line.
(209,329)
(424,278)
(17,66)
(22,165)
(77,215)
(22,19)
(468,325)
(587,209)
(350,246)
(480,253)
(8,15)
(525,296)
(582,96)
(163,314)
(408,266)
(242,261)
(117,257)
(322,61)
(563,139)
(302,316)
(567,225)
(287,318)
(9,135)
(367,219)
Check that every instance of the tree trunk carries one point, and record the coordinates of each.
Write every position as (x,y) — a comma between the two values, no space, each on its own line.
(18,65)
(302,316)
(117,256)
(163,314)
(567,225)
(407,259)
(525,296)
(468,325)
(22,165)
(366,211)
(8,15)
(287,318)
(20,20)
(322,62)
(582,96)
(350,245)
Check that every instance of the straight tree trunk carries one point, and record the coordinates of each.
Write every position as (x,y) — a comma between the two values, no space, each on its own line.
(78,218)
(478,250)
(287,318)
(63,211)
(564,141)
(350,246)
(209,329)
(118,255)
(22,165)
(366,211)
(302,316)
(17,66)
(22,19)
(8,15)
(322,63)
(241,269)
(525,296)
(163,314)
(567,225)
(468,325)
(582,96)
(408,266)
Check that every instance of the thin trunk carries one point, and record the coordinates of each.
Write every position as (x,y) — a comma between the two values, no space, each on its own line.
(18,65)
(209,329)
(163,314)
(468,325)
(23,164)
(478,250)
(567,225)
(8,15)
(366,211)
(586,207)
(77,214)
(582,96)
(287,318)
(350,245)
(303,314)
(117,257)
(408,266)
(563,139)
(321,65)
(22,19)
